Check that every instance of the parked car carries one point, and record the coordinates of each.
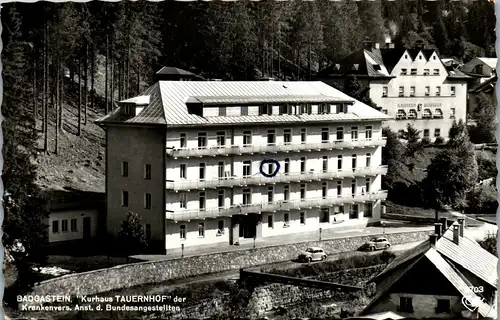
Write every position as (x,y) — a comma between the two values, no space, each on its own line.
(312,254)
(377,243)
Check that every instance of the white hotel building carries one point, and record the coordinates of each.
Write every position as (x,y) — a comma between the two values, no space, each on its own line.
(187,157)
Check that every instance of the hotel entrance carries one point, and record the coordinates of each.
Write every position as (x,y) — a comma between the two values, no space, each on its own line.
(245,227)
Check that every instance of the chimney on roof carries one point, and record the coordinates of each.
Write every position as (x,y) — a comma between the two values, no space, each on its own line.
(461,224)
(456,233)
(444,223)
(433,239)
(438,229)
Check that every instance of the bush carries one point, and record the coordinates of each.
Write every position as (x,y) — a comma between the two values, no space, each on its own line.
(439,140)
(482,200)
(426,141)
(490,244)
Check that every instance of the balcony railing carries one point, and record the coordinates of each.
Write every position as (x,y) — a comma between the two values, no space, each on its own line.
(187,215)
(280,178)
(250,149)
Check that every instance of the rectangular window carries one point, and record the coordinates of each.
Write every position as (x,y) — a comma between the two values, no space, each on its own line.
(302,165)
(247,138)
(368,132)
(385,90)
(202,171)
(271,138)
(404,72)
(353,187)
(147,171)
(287,136)
(340,134)
(412,91)
(74,225)
(220,199)
(183,200)
(286,219)
(270,221)
(325,135)
(302,217)
(287,165)
(324,215)
(183,171)
(202,140)
(201,229)
(368,160)
(125,199)
(325,164)
(220,169)
(147,201)
(303,135)
(247,168)
(55,226)
(324,190)
(438,91)
(339,188)
(265,109)
(124,169)
(202,200)
(367,185)
(64,225)
(286,193)
(354,133)
(182,231)
(368,213)
(426,133)
(413,72)
(222,111)
(436,72)
(220,226)
(354,159)
(270,194)
(437,133)
(342,108)
(453,92)
(443,306)
(426,72)
(427,91)
(221,139)
(405,304)
(338,210)
(339,162)
(452,113)
(183,140)
(353,212)
(302,191)
(148,232)
(324,109)
(401,91)
(244,110)
(247,196)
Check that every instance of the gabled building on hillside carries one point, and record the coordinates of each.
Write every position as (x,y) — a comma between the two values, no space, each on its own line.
(176,74)
(218,162)
(480,69)
(410,85)
(488,88)
(449,276)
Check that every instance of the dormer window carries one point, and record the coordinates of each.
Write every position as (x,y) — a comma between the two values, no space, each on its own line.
(342,108)
(127,109)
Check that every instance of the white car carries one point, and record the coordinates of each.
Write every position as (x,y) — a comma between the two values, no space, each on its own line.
(312,254)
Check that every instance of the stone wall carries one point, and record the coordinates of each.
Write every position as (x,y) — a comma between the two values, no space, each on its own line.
(123,276)
(402,217)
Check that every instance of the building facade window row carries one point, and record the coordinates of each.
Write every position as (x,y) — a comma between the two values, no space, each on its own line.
(146,170)
(427,113)
(125,200)
(59,226)
(416,71)
(412,92)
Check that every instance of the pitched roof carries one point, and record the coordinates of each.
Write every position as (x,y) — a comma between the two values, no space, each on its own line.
(491,62)
(175,71)
(486,86)
(168,100)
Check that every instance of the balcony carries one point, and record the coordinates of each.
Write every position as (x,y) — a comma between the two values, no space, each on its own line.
(280,178)
(187,215)
(251,149)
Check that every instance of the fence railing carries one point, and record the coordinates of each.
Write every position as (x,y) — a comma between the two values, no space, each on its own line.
(284,205)
(280,178)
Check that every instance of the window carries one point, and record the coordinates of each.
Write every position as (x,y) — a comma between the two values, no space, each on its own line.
(354,133)
(401,91)
(220,227)
(438,113)
(148,232)
(221,139)
(340,134)
(271,138)
(368,212)
(302,191)
(368,132)
(368,160)
(147,171)
(339,210)
(124,169)
(287,165)
(437,133)
(443,306)
(220,199)
(222,111)
(183,200)
(127,109)
(354,162)
(353,187)
(202,171)
(284,109)
(478,69)
(302,217)
(201,229)
(147,201)
(384,111)
(183,171)
(404,72)
(339,162)
(438,91)
(202,140)
(182,231)
(412,114)
(324,215)
(353,212)
(183,140)
(247,168)
(412,91)
(244,110)
(74,224)
(324,190)
(367,185)
(286,220)
(220,169)
(265,109)
(323,109)
(247,138)
(124,198)
(270,221)
(303,135)
(427,91)
(286,193)
(202,200)
(247,196)
(401,114)
(339,188)
(436,72)
(385,91)
(55,226)
(270,194)
(64,225)
(413,72)
(405,304)
(426,133)
(287,136)
(325,164)
(426,72)
(453,92)
(325,135)
(342,108)
(452,113)
(427,114)
(302,165)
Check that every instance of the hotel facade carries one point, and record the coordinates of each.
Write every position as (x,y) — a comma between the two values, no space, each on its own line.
(412,86)
(207,162)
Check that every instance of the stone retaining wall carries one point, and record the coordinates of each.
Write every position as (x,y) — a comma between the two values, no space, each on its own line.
(124,276)
(402,217)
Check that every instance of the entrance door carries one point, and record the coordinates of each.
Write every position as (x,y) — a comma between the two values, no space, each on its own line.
(86,228)
(248,226)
